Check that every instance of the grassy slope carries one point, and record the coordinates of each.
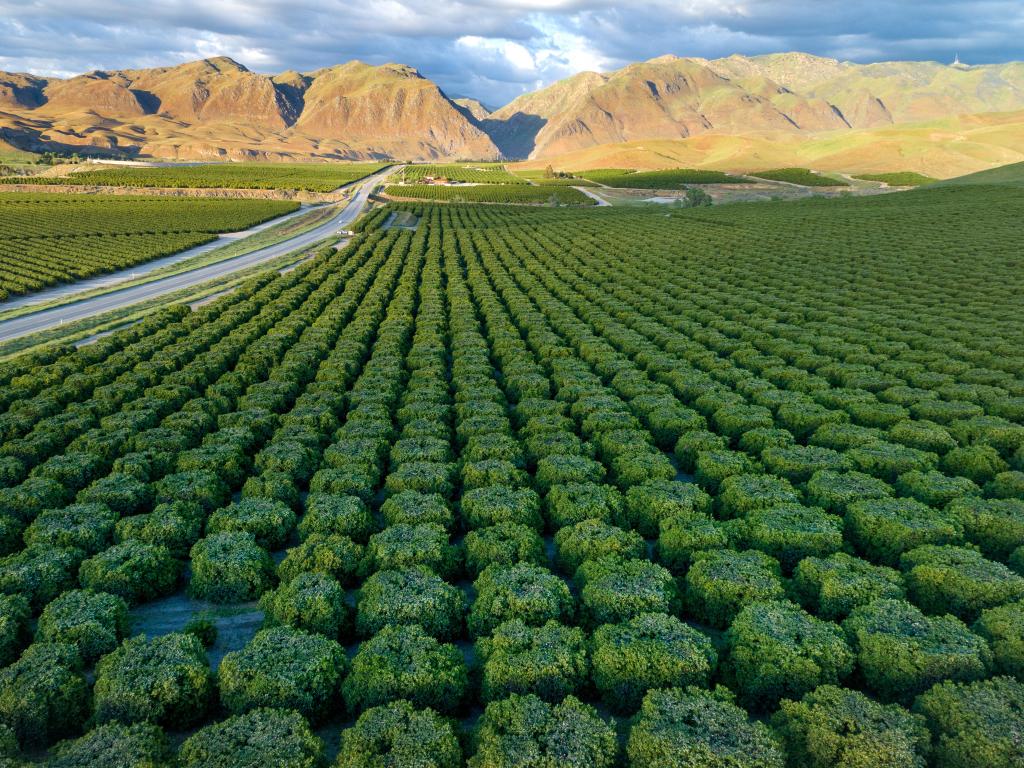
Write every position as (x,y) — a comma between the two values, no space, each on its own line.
(898,179)
(11,154)
(1008,174)
(940,149)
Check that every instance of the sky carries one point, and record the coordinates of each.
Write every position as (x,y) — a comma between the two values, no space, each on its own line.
(493,50)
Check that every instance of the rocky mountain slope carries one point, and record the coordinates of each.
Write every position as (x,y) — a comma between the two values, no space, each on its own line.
(677,98)
(472,108)
(942,149)
(216,108)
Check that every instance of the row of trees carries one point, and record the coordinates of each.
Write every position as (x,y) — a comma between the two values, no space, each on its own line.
(183,477)
(467,377)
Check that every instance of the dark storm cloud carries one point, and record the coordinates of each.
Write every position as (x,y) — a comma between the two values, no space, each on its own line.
(493,49)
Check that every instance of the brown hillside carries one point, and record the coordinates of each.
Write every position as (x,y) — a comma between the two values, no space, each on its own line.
(392,106)
(939,148)
(19,91)
(102,93)
(664,98)
(674,98)
(472,108)
(218,109)
(215,90)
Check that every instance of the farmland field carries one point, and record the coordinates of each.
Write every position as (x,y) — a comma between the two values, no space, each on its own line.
(739,486)
(801,176)
(539,177)
(49,239)
(309,177)
(491,193)
(674,178)
(559,181)
(900,179)
(477,173)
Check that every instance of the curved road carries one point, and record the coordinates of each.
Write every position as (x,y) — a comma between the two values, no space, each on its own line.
(49,318)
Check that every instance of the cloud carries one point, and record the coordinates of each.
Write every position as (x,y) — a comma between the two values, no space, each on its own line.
(492,49)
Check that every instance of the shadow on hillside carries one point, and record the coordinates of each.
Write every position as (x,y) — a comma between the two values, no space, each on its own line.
(31,140)
(517,136)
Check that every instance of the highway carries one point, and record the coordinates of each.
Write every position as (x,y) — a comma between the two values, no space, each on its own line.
(69,313)
(130,274)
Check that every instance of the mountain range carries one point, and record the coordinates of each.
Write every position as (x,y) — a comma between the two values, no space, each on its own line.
(218,109)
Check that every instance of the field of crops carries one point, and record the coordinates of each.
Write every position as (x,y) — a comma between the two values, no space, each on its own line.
(49,239)
(801,176)
(309,177)
(901,179)
(491,193)
(561,181)
(541,487)
(674,178)
(477,173)
(539,177)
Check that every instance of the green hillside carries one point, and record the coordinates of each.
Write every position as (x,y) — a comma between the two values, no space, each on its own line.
(1006,174)
(898,179)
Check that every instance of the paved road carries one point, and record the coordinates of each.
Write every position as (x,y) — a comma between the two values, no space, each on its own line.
(601,202)
(111,279)
(49,318)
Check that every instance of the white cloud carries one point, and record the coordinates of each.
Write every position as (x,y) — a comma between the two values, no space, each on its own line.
(514,54)
(208,45)
(492,49)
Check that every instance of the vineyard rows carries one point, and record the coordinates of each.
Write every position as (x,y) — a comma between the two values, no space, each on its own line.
(491,193)
(309,177)
(49,239)
(532,487)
